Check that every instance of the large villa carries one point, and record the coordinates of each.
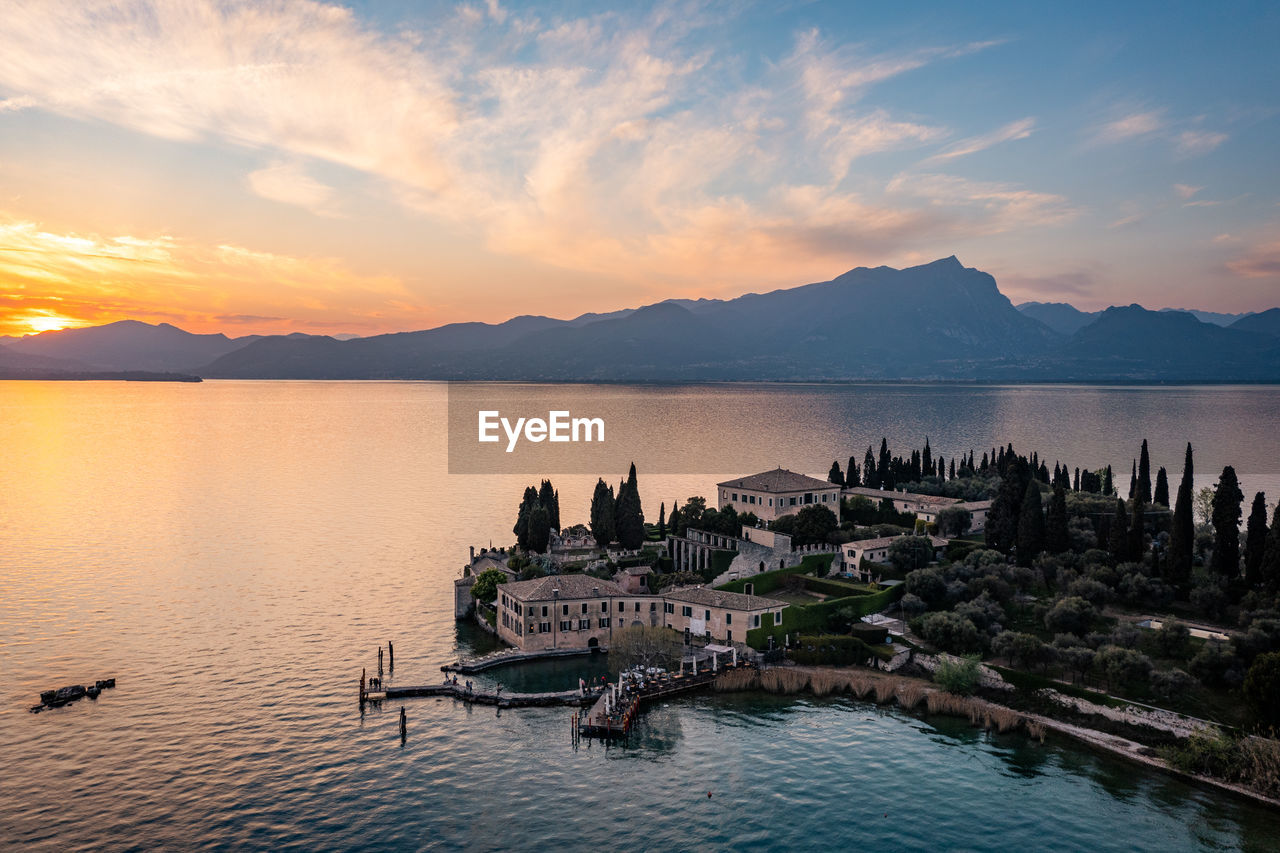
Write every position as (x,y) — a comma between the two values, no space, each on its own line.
(580,611)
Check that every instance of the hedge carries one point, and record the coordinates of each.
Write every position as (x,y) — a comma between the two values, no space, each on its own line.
(840,589)
(813,618)
(829,649)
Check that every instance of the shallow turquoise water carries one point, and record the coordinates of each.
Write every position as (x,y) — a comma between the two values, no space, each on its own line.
(236,552)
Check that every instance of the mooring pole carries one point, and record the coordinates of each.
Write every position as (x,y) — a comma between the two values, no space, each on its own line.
(379,661)
(362,674)
(391,656)
(404,724)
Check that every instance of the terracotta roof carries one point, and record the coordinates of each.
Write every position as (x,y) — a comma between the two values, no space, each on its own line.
(708,597)
(570,586)
(778,480)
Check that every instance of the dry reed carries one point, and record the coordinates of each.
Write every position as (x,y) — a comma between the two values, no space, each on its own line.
(910,695)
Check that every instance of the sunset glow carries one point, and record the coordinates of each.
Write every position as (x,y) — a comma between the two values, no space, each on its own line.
(305,166)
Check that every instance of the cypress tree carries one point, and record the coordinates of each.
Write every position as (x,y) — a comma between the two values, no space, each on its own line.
(1269,571)
(870,476)
(550,500)
(676,522)
(953,468)
(1227,499)
(884,465)
(1161,495)
(851,477)
(1057,537)
(1119,539)
(1108,484)
(1031,532)
(539,529)
(1133,481)
(926,461)
(1077,486)
(522,528)
(1255,543)
(603,527)
(835,475)
(662,521)
(1137,531)
(1006,510)
(1144,475)
(1182,536)
(629,517)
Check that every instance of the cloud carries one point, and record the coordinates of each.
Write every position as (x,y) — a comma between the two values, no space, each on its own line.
(610,143)
(1184,191)
(89,277)
(1004,206)
(1192,143)
(12,105)
(1020,129)
(1261,261)
(1132,126)
(288,183)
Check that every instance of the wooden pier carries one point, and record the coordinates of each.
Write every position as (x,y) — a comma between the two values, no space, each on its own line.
(498,698)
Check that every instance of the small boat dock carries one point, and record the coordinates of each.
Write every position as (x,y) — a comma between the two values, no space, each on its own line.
(511,656)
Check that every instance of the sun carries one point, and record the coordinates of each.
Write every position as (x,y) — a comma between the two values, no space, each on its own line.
(48,321)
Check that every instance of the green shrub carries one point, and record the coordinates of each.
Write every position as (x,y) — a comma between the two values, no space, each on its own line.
(960,676)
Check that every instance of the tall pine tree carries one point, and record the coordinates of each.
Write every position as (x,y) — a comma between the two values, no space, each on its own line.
(835,475)
(629,517)
(1057,535)
(1227,499)
(1269,571)
(1031,533)
(1133,481)
(1255,542)
(1119,544)
(603,525)
(1144,475)
(662,521)
(851,477)
(1182,535)
(1161,494)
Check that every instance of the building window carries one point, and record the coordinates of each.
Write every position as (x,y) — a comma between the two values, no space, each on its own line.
(544,611)
(729,637)
(707,617)
(566,610)
(755,620)
(584,624)
(687,611)
(728,618)
(566,624)
(653,606)
(584,607)
(777,618)
(604,607)
(735,496)
(668,607)
(604,621)
(544,627)
(622,605)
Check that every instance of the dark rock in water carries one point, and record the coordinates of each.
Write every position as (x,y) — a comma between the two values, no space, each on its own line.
(47,696)
(110,682)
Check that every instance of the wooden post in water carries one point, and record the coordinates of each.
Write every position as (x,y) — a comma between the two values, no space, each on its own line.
(391,656)
(379,661)
(362,674)
(404,724)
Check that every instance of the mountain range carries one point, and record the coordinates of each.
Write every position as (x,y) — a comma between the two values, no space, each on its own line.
(937,321)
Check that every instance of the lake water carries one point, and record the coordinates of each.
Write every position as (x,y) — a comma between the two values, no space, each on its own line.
(234,553)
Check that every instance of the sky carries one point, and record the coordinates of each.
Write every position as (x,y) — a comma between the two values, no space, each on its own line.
(386,166)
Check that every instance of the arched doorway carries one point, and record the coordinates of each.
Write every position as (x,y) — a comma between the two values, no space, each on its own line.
(593,644)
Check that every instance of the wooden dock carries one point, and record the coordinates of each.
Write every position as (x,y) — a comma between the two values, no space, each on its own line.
(498,698)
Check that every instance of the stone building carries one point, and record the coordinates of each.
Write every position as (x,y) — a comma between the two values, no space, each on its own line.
(776,493)
(876,551)
(582,612)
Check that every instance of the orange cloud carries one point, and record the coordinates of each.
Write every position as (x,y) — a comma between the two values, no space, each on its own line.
(55,280)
